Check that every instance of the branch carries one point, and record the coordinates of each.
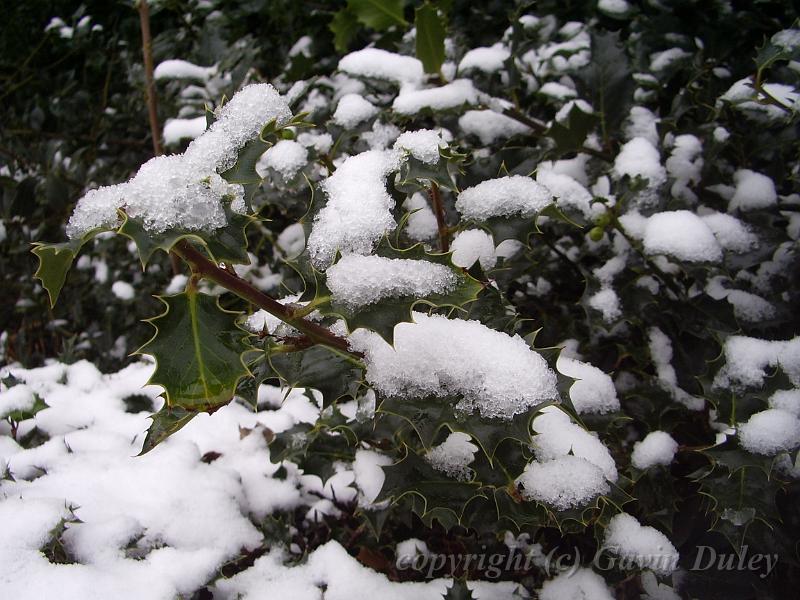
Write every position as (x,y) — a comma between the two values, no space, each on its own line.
(441,224)
(149,84)
(205,268)
(541,128)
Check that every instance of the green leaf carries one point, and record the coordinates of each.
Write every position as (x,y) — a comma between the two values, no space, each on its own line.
(198,351)
(382,316)
(226,244)
(55,261)
(344,27)
(244,171)
(569,136)
(416,175)
(430,37)
(607,81)
(165,422)
(773,51)
(458,590)
(378,14)
(316,367)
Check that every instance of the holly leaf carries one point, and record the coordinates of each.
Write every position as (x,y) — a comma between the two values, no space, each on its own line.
(55,261)
(344,27)
(378,14)
(225,244)
(570,136)
(165,422)
(607,80)
(458,590)
(317,367)
(198,350)
(777,49)
(430,37)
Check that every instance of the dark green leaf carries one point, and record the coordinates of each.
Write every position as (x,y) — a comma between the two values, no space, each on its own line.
(378,14)
(430,37)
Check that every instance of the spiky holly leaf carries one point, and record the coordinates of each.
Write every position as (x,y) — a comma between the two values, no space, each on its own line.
(378,14)
(165,422)
(430,37)
(607,80)
(55,261)
(570,135)
(433,491)
(344,27)
(416,175)
(226,244)
(428,415)
(198,350)
(458,590)
(780,47)
(521,228)
(383,315)
(317,367)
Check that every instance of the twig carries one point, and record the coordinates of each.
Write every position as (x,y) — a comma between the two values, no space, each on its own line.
(441,224)
(149,83)
(203,267)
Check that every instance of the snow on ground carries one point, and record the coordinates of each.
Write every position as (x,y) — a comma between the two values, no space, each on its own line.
(161,525)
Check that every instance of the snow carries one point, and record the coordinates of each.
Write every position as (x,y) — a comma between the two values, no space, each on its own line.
(182,69)
(770,431)
(503,197)
(662,60)
(681,234)
(569,194)
(487,60)
(730,232)
(606,302)
(490,126)
(743,97)
(369,476)
(352,110)
(558,436)
(558,91)
(497,374)
(407,550)
(421,225)
(320,142)
(747,361)
(614,7)
(453,456)
(473,245)
(380,64)
(657,448)
(753,191)
(357,281)
(661,353)
(185,190)
(19,397)
(452,95)
(564,482)
(639,157)
(580,583)
(594,392)
(182,517)
(123,290)
(642,545)
(292,241)
(359,208)
(642,123)
(562,116)
(287,158)
(788,400)
(176,130)
(422,144)
(685,165)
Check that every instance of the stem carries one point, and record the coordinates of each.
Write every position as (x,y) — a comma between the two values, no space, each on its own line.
(150,88)
(441,224)
(205,268)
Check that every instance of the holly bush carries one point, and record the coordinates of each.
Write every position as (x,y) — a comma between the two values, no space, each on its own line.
(454,233)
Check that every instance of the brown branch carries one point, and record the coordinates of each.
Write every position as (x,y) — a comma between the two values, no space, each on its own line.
(149,83)
(205,268)
(441,224)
